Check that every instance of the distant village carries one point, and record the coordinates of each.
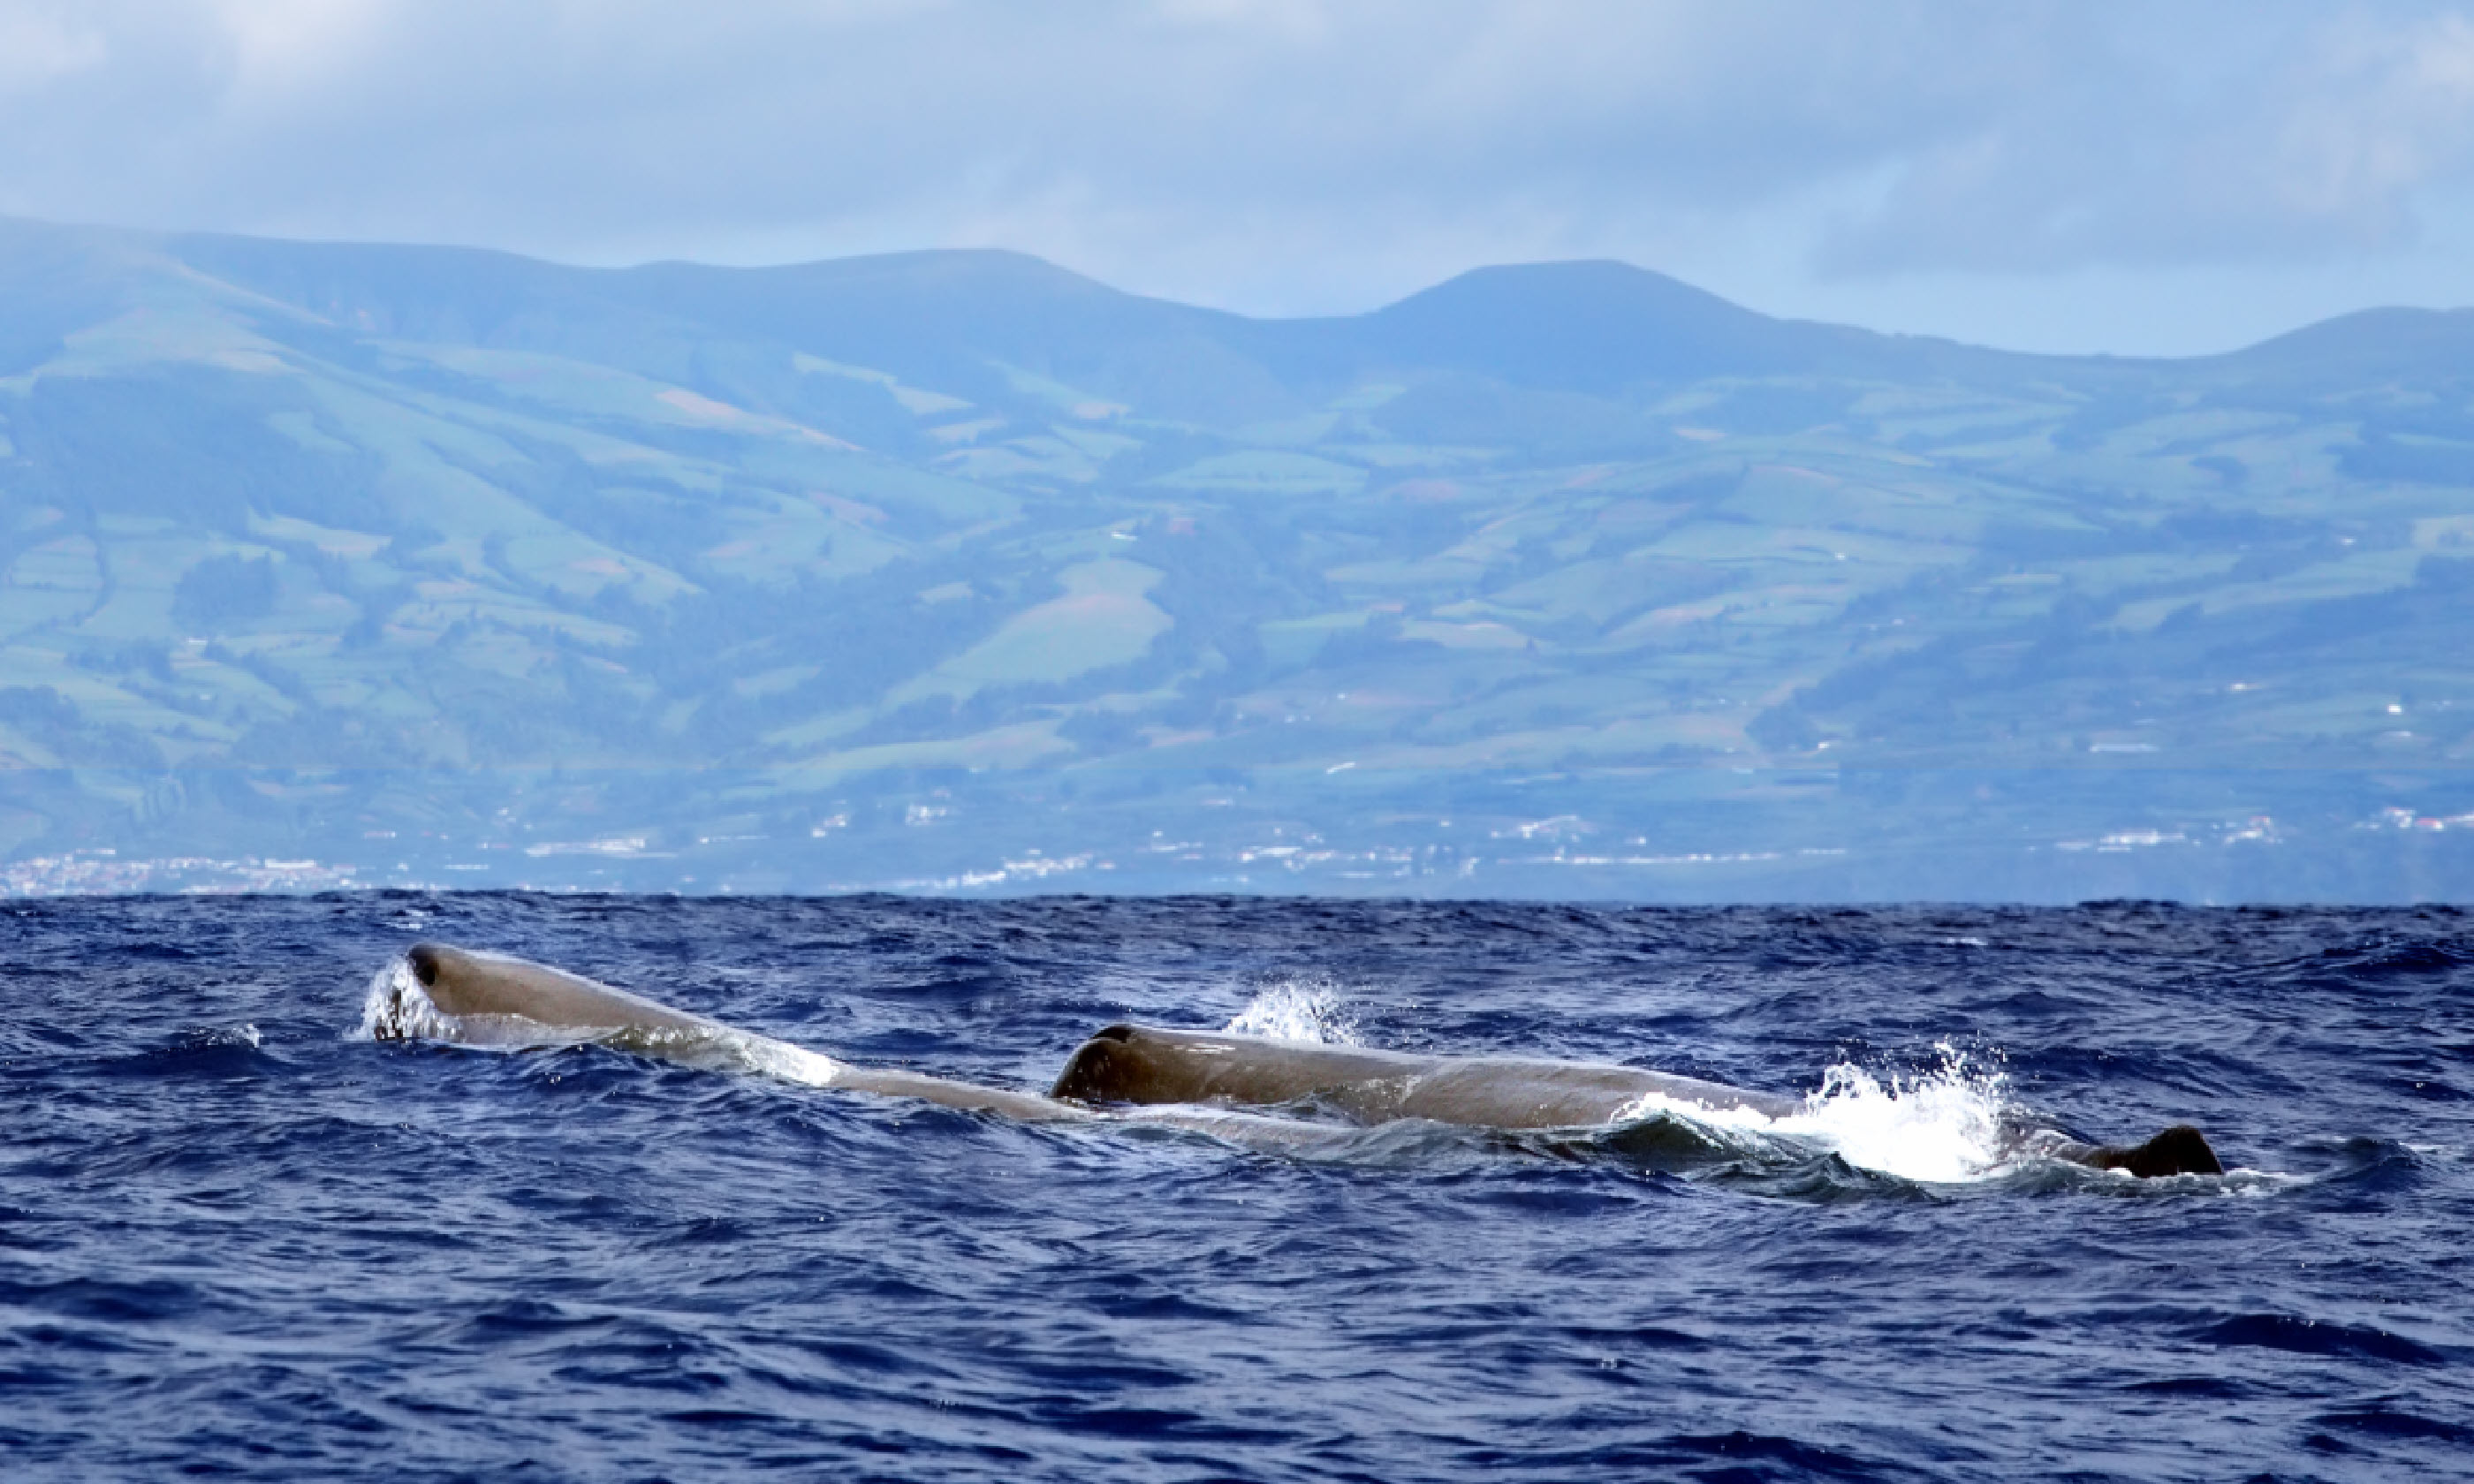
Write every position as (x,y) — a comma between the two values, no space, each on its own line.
(106,874)
(1275,864)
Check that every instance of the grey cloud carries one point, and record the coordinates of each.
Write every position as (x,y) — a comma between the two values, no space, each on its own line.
(1286,151)
(2279,135)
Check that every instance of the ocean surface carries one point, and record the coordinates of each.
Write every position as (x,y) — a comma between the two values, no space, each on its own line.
(239,1238)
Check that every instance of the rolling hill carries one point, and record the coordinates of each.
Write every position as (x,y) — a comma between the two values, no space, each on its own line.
(325,564)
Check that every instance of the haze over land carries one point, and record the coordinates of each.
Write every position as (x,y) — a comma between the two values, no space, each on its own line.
(956,570)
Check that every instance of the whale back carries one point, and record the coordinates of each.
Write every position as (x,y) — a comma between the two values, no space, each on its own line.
(1142,1064)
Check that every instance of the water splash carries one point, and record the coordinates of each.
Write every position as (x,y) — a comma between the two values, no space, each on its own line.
(246,1033)
(1297,1009)
(396,1008)
(782,1061)
(1945,1126)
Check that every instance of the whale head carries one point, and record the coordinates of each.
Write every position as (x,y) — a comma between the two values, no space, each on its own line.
(459,982)
(464,983)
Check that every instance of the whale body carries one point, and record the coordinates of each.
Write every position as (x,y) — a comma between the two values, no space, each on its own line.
(1144,1064)
(494,988)
(1214,1082)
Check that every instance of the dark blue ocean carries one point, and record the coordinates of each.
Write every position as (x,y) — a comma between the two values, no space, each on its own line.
(238,1238)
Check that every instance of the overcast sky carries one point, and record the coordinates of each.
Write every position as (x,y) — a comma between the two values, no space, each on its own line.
(2079,175)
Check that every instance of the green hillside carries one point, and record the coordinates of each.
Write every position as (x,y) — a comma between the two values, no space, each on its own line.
(954,572)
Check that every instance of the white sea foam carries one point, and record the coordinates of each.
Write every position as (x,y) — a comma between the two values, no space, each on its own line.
(779,1059)
(396,1008)
(1944,1126)
(1297,1009)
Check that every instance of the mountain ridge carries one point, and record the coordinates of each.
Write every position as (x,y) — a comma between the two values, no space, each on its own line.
(218,247)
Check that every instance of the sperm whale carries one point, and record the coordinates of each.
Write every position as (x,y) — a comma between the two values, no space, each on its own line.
(1216,1082)
(1141,1065)
(492,988)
